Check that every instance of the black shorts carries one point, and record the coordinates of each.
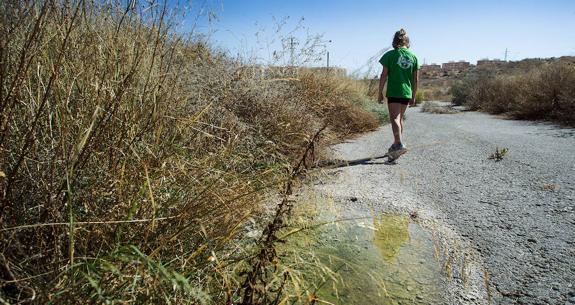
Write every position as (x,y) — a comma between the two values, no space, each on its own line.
(403,101)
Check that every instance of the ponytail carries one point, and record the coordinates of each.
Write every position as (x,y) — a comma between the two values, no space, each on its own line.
(400,39)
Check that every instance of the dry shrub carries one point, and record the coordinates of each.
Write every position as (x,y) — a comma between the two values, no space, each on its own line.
(460,92)
(372,87)
(340,106)
(546,92)
(131,156)
(495,95)
(434,107)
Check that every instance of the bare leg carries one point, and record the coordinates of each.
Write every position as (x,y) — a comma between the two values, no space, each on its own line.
(396,111)
(402,121)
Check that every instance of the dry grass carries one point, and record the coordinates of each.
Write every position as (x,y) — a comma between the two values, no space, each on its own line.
(434,107)
(368,97)
(435,92)
(131,157)
(339,102)
(544,92)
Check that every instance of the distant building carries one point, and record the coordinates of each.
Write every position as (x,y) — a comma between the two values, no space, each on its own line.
(490,62)
(456,65)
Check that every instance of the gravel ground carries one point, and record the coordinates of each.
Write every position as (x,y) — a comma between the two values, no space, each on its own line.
(512,220)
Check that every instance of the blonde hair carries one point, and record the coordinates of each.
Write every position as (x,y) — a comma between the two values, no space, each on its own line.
(400,39)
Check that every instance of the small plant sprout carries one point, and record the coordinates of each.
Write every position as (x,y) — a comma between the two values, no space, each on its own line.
(498,155)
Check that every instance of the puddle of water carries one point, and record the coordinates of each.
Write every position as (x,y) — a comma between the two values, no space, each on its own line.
(388,260)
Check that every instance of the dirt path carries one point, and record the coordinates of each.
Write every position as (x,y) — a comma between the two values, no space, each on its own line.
(513,220)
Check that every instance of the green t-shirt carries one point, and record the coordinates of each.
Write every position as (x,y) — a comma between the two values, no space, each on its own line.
(401,64)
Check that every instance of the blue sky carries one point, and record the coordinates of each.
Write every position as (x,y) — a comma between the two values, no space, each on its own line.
(439,30)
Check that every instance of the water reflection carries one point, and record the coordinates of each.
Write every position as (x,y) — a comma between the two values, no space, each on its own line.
(391,232)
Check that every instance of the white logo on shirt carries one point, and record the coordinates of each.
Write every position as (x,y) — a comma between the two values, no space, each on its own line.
(404,62)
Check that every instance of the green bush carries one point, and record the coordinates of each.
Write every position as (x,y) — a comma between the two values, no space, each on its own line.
(419,96)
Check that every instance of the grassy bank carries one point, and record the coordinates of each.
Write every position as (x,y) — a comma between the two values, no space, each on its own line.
(132,156)
(539,92)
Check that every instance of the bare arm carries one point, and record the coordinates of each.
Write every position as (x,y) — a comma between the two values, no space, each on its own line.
(382,80)
(414,83)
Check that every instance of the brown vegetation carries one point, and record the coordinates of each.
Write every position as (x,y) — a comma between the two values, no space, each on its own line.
(434,107)
(542,92)
(131,157)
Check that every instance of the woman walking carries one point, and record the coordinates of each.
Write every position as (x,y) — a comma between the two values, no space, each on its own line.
(400,70)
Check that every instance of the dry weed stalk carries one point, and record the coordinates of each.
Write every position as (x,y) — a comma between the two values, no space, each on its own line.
(131,157)
(257,278)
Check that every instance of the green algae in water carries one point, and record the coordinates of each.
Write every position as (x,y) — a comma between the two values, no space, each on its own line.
(385,261)
(391,232)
